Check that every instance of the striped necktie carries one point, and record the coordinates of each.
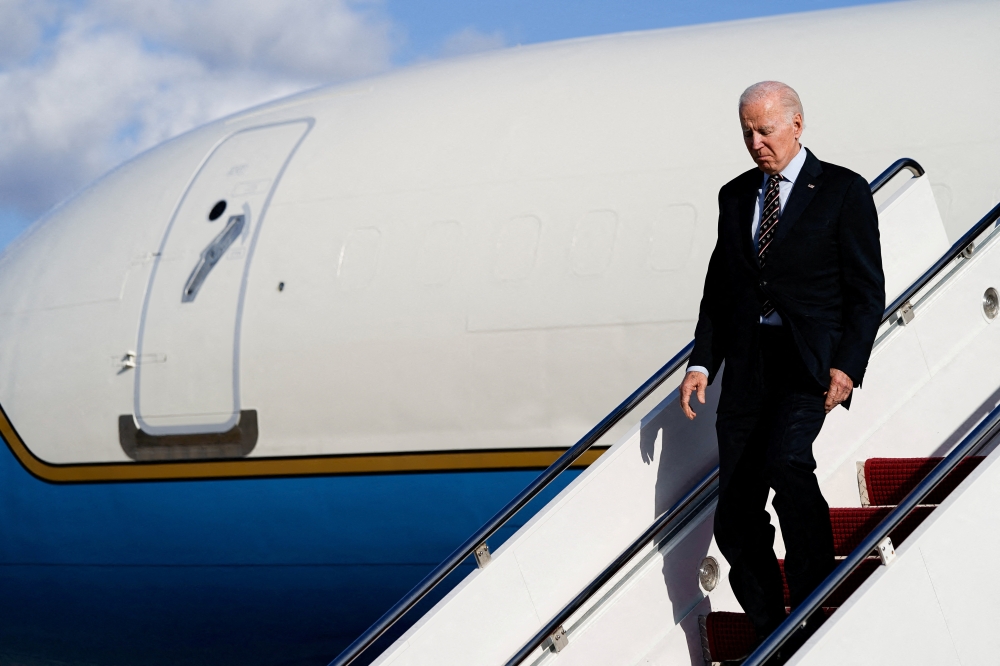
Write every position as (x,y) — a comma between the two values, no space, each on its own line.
(768,223)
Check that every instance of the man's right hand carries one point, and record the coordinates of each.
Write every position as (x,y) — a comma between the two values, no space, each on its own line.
(694,381)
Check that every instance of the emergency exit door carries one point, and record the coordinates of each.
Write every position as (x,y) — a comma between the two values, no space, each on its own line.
(187,376)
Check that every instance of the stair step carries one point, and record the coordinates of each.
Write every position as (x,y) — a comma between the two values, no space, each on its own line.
(889,480)
(847,588)
(852,525)
(731,636)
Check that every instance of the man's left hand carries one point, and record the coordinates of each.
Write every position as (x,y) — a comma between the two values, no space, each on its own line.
(840,387)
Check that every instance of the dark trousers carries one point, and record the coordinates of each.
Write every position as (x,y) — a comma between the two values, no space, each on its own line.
(769,445)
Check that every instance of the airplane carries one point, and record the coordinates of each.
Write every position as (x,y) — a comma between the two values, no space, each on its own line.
(258,380)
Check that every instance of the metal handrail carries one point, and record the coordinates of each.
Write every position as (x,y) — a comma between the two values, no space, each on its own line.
(690,505)
(894,168)
(960,247)
(512,507)
(981,435)
(363,642)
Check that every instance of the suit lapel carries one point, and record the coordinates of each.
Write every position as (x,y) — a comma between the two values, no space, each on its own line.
(749,199)
(802,194)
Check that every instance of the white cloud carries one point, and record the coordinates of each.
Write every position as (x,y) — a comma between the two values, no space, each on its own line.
(470,40)
(21,25)
(321,39)
(118,77)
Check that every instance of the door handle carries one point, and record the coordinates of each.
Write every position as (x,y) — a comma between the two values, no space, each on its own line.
(210,256)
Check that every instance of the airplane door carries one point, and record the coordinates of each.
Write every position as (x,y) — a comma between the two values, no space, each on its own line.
(187,356)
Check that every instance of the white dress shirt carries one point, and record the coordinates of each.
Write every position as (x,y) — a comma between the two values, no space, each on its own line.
(788,176)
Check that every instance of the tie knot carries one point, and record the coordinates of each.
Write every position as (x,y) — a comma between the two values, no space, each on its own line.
(773,181)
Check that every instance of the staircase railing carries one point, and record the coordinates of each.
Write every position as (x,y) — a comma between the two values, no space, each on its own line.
(667,525)
(473,543)
(478,540)
(975,440)
(963,247)
(676,518)
(902,163)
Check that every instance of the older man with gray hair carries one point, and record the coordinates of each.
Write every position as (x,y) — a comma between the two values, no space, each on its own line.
(792,301)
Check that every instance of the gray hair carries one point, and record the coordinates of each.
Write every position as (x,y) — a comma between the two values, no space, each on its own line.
(788,97)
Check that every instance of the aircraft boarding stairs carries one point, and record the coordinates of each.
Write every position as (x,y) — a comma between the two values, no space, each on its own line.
(882,484)
(621,567)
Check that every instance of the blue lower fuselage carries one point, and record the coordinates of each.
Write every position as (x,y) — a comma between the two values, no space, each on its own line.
(250,571)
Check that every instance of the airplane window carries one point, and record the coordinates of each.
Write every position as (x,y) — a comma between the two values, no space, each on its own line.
(217,211)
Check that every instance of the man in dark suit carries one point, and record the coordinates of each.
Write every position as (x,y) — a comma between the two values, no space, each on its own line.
(793,298)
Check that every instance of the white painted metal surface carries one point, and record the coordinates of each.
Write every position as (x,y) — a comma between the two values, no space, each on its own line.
(912,235)
(922,393)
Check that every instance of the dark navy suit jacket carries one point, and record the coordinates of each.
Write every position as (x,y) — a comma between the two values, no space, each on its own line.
(823,275)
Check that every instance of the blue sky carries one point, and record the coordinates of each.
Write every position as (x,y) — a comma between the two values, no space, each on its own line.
(428,25)
(87,84)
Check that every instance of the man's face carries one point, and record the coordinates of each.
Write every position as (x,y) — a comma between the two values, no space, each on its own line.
(770,138)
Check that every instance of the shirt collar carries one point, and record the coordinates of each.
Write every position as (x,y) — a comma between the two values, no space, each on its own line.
(791,172)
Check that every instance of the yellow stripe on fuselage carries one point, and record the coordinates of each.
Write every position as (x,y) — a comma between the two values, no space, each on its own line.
(373,463)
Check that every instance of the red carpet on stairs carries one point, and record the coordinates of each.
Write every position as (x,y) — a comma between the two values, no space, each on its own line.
(852,583)
(731,635)
(889,480)
(851,526)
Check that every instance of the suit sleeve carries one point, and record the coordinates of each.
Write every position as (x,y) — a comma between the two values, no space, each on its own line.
(862,281)
(711,332)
